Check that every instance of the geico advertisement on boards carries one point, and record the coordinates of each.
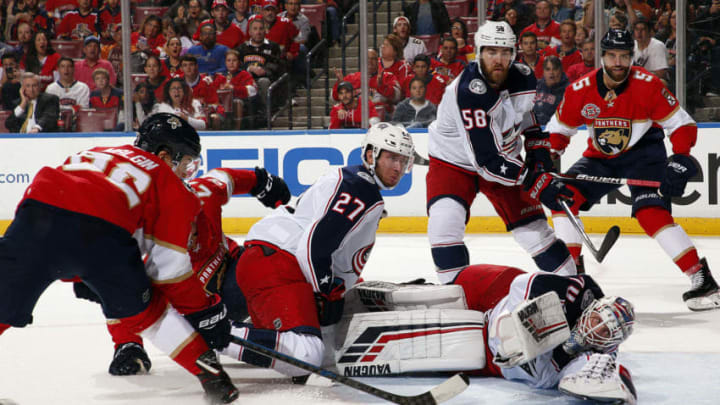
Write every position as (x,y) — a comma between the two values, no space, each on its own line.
(300,157)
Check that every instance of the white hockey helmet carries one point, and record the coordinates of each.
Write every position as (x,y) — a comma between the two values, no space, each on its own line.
(494,33)
(606,323)
(392,138)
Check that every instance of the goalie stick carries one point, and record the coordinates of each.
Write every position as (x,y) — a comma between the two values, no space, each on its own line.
(443,392)
(608,241)
(609,180)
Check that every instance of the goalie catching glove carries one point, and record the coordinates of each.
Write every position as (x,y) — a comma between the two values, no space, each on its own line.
(271,190)
(213,324)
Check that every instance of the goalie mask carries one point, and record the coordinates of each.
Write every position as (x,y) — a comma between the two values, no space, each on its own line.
(387,137)
(174,135)
(604,324)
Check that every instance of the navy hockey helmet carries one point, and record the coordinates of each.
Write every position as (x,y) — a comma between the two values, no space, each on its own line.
(168,132)
(617,39)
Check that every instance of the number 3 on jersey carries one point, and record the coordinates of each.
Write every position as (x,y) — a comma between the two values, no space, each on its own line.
(473,118)
(341,206)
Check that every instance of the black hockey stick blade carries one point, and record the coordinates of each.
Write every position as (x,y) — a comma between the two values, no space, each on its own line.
(443,392)
(611,237)
(419,160)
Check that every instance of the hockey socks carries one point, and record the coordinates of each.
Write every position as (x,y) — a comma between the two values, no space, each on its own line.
(658,223)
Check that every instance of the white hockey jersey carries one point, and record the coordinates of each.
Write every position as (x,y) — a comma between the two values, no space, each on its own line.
(477,127)
(413,48)
(332,229)
(74,97)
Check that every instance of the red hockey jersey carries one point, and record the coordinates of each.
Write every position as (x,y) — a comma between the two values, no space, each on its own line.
(434,89)
(283,32)
(243,83)
(77,26)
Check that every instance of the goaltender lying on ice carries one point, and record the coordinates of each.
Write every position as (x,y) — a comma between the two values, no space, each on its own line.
(545,330)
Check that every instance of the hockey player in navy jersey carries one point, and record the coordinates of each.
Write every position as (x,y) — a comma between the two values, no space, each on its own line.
(626,109)
(299,260)
(475,146)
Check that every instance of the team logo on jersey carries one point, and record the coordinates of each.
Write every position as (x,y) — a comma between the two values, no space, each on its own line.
(360,258)
(523,68)
(611,136)
(477,86)
(590,111)
(669,97)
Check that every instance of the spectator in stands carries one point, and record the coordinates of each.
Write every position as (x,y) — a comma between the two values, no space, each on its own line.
(587,65)
(618,20)
(427,17)
(415,111)
(42,59)
(447,62)
(73,94)
(550,89)
(581,35)
(458,30)
(511,17)
(302,24)
(529,54)
(58,8)
(106,48)
(25,40)
(36,111)
(622,6)
(179,101)
(434,83)
(524,14)
(143,103)
(334,13)
(241,15)
(640,6)
(561,10)
(649,52)
(385,90)
(708,22)
(547,30)
(226,33)
(391,53)
(115,59)
(566,51)
(348,112)
(84,68)
(202,89)
(412,46)
(261,58)
(150,38)
(240,81)
(79,23)
(104,95)
(173,52)
(210,55)
(193,16)
(10,80)
(156,77)
(175,29)
(29,12)
(109,17)
(280,30)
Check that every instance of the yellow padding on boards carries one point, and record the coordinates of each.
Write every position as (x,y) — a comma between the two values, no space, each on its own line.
(693,226)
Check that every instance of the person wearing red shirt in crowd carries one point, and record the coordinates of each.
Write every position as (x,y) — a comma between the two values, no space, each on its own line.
(391,58)
(79,23)
(108,17)
(587,65)
(156,76)
(150,38)
(547,30)
(226,33)
(566,51)
(447,62)
(434,82)
(58,8)
(104,95)
(202,88)
(84,69)
(32,14)
(280,30)
(41,59)
(240,81)
(173,49)
(529,54)
(348,112)
(384,89)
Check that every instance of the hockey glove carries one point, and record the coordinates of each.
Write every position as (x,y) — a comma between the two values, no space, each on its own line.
(129,359)
(537,150)
(84,292)
(680,169)
(213,324)
(271,190)
(547,189)
(330,306)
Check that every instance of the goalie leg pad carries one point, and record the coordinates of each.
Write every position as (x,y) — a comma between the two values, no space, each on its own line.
(536,326)
(373,296)
(382,343)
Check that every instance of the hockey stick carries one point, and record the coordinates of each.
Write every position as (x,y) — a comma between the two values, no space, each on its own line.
(443,392)
(610,180)
(608,241)
(419,160)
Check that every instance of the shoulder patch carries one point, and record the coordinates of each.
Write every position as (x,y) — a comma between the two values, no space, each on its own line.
(590,111)
(477,86)
(523,68)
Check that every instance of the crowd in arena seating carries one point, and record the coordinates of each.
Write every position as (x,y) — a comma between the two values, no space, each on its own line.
(212,61)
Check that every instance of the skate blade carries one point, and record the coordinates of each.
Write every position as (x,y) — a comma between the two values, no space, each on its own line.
(604,400)
(706,303)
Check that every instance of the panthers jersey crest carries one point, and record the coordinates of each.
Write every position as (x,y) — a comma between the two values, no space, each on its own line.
(611,136)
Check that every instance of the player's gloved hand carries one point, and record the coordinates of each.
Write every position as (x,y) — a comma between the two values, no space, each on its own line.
(84,292)
(680,169)
(129,359)
(537,150)
(547,189)
(213,324)
(271,190)
(330,306)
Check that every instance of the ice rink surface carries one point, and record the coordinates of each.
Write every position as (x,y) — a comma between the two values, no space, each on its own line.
(674,354)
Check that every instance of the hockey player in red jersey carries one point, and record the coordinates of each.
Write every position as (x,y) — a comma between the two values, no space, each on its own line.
(626,109)
(475,146)
(94,217)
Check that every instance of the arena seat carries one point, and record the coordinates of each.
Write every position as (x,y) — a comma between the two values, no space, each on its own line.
(457,8)
(432,42)
(72,49)
(96,119)
(316,14)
